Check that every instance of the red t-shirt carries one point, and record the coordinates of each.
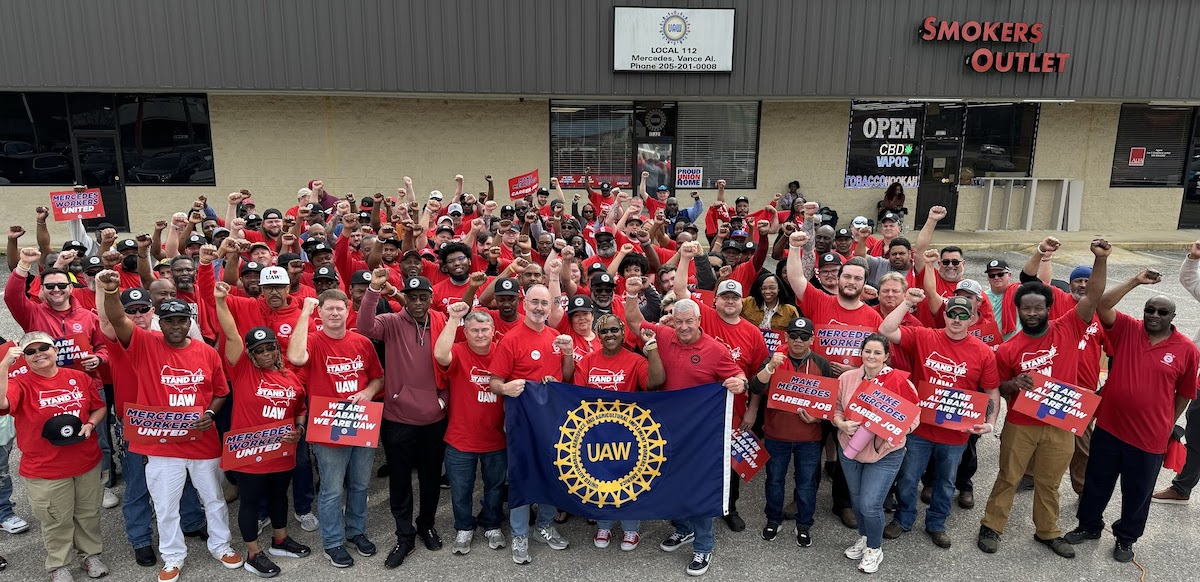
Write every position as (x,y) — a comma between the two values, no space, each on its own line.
(823,309)
(703,362)
(1094,343)
(337,368)
(527,354)
(1138,406)
(624,372)
(447,292)
(476,414)
(124,376)
(169,377)
(583,346)
(501,327)
(746,346)
(1052,354)
(899,360)
(33,400)
(967,365)
(264,397)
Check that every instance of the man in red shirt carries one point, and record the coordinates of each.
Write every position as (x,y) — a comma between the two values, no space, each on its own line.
(335,362)
(475,433)
(1047,347)
(1153,377)
(947,358)
(692,359)
(529,353)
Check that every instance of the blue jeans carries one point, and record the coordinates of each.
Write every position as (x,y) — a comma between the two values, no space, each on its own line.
(944,460)
(6,506)
(138,511)
(343,470)
(627,525)
(302,479)
(869,484)
(702,527)
(518,518)
(460,471)
(808,456)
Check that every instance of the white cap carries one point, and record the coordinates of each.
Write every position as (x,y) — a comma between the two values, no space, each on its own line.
(274,276)
(435,195)
(730,286)
(454,207)
(301,193)
(860,221)
(970,286)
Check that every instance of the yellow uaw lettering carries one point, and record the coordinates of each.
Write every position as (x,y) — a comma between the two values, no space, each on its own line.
(646,453)
(608,451)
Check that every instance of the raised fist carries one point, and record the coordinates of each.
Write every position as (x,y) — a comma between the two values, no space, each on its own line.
(798,238)
(458,310)
(15,232)
(221,290)
(108,280)
(379,276)
(635,285)
(30,255)
(914,295)
(564,343)
(160,225)
(42,213)
(721,183)
(1050,245)
(477,279)
(627,248)
(937,213)
(208,253)
(1101,248)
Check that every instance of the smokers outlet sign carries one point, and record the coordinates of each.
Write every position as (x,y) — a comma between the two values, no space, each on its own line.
(985,59)
(680,40)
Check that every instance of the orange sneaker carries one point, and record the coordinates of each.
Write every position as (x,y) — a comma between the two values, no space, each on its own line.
(169,572)
(231,559)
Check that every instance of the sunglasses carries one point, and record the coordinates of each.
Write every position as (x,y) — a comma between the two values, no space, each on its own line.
(795,335)
(137,310)
(260,350)
(609,330)
(959,315)
(32,351)
(949,262)
(1161,311)
(56,286)
(994,275)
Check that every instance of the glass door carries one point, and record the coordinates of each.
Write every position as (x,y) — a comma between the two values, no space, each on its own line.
(99,165)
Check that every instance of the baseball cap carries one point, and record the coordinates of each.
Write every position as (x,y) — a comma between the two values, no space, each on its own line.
(739,234)
(416,284)
(890,216)
(748,246)
(860,221)
(260,335)
(729,286)
(970,286)
(273,276)
(543,192)
(366,202)
(315,208)
(325,273)
(507,208)
(391,241)
(594,267)
(34,337)
(92,263)
(75,246)
(633,218)
(248,202)
(173,308)
(162,263)
(446,227)
(843,233)
(605,186)
(742,199)
(285,258)
(507,287)
(604,230)
(317,247)
(829,259)
(131,245)
(250,267)
(259,244)
(731,244)
(602,279)
(960,304)
(253,218)
(996,265)
(361,277)
(692,227)
(195,239)
(104,225)
(63,429)
(802,326)
(272,213)
(303,192)
(662,188)
(579,303)
(220,229)
(136,296)
(411,253)
(364,216)
(456,207)
(435,195)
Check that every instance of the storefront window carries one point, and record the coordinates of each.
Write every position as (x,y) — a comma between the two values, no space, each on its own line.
(595,135)
(35,139)
(999,140)
(884,144)
(1151,147)
(165,139)
(721,139)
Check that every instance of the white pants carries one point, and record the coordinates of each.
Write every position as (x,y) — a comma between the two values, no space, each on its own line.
(165,477)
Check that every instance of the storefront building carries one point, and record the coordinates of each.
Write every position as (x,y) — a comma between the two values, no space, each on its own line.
(1013,114)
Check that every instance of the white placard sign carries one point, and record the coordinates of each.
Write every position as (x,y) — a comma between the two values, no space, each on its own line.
(673,39)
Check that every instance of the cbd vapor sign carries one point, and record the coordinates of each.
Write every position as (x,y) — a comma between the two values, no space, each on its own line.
(884,145)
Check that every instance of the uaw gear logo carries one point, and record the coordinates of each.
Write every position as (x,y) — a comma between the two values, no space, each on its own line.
(609,453)
(260,334)
(506,285)
(135,294)
(413,283)
(675,27)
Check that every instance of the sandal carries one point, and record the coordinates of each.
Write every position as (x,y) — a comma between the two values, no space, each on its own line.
(561,517)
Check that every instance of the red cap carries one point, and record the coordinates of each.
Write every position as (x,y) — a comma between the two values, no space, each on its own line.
(248,202)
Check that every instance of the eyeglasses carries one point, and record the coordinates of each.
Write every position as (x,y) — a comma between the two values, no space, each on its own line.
(32,351)
(958,314)
(994,275)
(1161,311)
(796,335)
(260,350)
(137,310)
(56,286)
(951,262)
(608,330)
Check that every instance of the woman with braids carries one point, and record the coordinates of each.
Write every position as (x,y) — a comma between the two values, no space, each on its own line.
(265,392)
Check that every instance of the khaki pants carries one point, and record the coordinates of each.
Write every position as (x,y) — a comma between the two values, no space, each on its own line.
(1078,460)
(1052,449)
(68,511)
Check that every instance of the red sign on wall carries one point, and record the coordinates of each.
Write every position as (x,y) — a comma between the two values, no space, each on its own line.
(523,185)
(1137,156)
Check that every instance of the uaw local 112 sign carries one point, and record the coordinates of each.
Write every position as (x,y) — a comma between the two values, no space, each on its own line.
(886,415)
(791,391)
(950,408)
(69,205)
(1057,403)
(673,39)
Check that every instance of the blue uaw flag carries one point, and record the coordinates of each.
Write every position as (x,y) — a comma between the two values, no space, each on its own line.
(620,455)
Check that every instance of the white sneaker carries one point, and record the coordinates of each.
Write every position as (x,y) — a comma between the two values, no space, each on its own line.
(462,542)
(855,552)
(263,524)
(61,575)
(308,522)
(110,499)
(495,538)
(94,567)
(871,559)
(13,524)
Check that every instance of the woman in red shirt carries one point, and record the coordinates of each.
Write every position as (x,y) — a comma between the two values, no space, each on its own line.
(264,392)
(55,411)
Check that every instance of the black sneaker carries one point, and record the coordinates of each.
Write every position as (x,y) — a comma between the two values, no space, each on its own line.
(1058,545)
(1079,534)
(433,542)
(396,557)
(770,532)
(445,483)
(289,548)
(699,565)
(339,557)
(1123,551)
(262,566)
(675,540)
(803,538)
(735,522)
(382,471)
(144,556)
(988,540)
(363,546)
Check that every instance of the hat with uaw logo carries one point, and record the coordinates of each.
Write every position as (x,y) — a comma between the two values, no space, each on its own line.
(417,284)
(63,429)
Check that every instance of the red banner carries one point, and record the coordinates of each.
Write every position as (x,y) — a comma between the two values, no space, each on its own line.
(747,454)
(774,340)
(69,205)
(840,344)
(792,392)
(1057,403)
(950,408)
(988,332)
(157,425)
(523,185)
(886,415)
(341,422)
(257,445)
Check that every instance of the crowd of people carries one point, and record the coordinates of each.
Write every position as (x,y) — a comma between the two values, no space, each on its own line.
(441,308)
